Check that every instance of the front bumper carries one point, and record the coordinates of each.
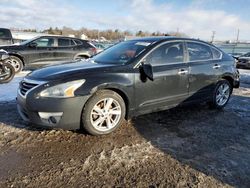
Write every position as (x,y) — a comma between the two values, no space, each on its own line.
(63,113)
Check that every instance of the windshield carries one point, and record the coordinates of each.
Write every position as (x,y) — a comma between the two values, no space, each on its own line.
(121,53)
(28,41)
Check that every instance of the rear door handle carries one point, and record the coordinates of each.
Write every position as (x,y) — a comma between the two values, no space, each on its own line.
(182,72)
(216,66)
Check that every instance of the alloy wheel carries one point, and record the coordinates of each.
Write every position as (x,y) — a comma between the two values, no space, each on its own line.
(16,64)
(222,94)
(105,114)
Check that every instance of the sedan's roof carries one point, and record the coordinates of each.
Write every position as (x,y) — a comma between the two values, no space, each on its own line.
(161,38)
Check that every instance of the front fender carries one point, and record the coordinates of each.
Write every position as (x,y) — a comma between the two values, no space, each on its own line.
(20,56)
(123,84)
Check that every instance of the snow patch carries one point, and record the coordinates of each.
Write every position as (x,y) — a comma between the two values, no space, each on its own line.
(8,91)
(245,76)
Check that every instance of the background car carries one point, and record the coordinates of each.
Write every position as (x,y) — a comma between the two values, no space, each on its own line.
(45,50)
(5,37)
(131,78)
(101,46)
(236,54)
(243,61)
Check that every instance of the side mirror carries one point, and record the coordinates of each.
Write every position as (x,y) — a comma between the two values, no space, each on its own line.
(147,71)
(33,45)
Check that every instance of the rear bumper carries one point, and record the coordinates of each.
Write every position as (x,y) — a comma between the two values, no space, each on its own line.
(52,112)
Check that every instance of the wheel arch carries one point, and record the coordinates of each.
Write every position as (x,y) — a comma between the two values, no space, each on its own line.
(124,97)
(82,55)
(230,79)
(119,91)
(18,56)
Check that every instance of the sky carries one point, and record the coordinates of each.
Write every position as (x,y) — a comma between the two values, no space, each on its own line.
(195,18)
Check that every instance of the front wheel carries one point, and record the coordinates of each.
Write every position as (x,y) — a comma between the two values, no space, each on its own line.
(103,113)
(221,94)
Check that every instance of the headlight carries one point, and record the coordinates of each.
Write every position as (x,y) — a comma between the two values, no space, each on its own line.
(62,90)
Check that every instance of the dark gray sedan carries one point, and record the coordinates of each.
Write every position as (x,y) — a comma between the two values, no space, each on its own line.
(129,79)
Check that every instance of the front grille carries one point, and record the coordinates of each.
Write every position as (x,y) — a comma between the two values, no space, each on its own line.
(26,86)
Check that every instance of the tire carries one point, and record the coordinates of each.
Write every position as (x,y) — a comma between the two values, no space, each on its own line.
(16,63)
(11,74)
(99,116)
(221,94)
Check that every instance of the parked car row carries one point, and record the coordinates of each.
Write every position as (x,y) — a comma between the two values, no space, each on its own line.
(101,46)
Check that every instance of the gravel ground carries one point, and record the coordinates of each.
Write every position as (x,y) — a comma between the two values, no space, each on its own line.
(189,146)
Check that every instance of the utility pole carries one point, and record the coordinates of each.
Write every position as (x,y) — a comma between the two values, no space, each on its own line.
(98,35)
(213,36)
(237,40)
(238,34)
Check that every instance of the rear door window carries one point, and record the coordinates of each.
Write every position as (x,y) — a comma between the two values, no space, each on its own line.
(199,52)
(64,42)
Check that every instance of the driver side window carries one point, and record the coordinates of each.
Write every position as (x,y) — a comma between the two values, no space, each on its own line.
(45,42)
(166,54)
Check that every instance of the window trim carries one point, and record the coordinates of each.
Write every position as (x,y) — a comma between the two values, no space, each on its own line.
(202,43)
(158,46)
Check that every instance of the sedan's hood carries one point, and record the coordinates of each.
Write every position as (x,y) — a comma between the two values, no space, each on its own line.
(67,70)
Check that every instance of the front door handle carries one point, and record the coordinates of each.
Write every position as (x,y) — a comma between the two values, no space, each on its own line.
(216,66)
(182,72)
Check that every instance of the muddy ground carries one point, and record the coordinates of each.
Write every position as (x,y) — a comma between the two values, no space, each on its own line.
(189,146)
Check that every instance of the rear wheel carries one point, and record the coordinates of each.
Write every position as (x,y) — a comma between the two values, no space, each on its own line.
(221,94)
(16,63)
(103,113)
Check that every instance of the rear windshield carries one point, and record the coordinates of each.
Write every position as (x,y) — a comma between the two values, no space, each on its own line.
(5,34)
(121,53)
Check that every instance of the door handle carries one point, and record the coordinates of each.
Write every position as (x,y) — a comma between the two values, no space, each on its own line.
(216,66)
(182,72)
